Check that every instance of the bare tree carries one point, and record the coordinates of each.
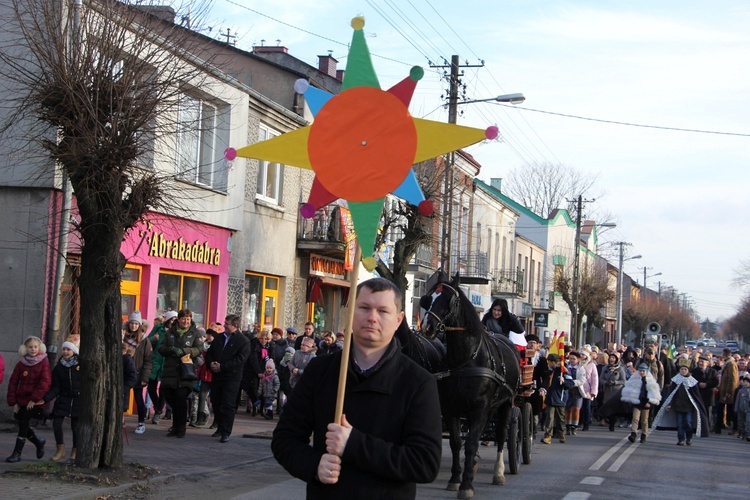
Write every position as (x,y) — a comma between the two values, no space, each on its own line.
(742,275)
(543,187)
(414,229)
(672,318)
(96,85)
(593,293)
(738,326)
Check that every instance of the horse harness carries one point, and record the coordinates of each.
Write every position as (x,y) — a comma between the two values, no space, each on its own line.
(463,370)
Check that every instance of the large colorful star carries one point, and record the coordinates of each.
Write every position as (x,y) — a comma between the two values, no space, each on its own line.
(363,143)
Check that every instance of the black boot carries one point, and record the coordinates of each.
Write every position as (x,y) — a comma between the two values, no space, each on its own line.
(38,442)
(16,455)
(612,425)
(213,425)
(168,414)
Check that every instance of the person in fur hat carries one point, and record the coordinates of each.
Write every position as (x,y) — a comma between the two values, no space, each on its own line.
(683,408)
(29,382)
(268,389)
(642,391)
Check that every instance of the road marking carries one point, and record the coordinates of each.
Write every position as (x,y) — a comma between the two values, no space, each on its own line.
(592,480)
(607,455)
(577,495)
(621,460)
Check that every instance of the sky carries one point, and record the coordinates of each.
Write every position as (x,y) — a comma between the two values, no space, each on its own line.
(678,197)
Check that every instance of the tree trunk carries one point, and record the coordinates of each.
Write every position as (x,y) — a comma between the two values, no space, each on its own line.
(100,419)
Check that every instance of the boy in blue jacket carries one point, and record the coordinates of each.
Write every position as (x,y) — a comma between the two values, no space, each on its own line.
(555,392)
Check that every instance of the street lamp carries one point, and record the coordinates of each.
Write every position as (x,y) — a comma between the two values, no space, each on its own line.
(516,98)
(619,289)
(649,276)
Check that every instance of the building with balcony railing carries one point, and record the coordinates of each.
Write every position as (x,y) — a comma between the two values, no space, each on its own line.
(507,284)
(473,267)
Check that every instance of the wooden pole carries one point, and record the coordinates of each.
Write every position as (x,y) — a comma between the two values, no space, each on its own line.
(347,337)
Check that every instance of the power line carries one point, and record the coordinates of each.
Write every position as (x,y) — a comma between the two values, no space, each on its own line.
(236,4)
(622,123)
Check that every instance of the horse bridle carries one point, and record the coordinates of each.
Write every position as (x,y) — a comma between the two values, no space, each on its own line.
(452,311)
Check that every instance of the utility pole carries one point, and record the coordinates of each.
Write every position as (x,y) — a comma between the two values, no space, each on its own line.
(454,83)
(619,293)
(576,270)
(621,244)
(576,335)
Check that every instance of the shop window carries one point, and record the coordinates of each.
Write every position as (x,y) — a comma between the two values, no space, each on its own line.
(180,291)
(261,302)
(198,150)
(270,174)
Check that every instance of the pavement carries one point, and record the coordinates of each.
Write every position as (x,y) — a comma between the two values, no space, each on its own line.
(153,448)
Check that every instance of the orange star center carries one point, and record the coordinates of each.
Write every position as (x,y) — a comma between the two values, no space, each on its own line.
(362,144)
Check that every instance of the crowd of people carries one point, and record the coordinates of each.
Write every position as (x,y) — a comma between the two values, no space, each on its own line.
(175,372)
(183,374)
(641,389)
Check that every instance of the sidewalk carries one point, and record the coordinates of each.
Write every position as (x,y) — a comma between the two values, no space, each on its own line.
(153,448)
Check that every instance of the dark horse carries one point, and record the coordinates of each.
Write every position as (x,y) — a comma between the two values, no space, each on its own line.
(427,353)
(480,383)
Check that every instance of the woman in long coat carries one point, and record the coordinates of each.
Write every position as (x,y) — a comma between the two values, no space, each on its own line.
(611,382)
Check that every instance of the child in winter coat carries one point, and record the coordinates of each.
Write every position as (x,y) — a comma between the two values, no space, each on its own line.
(29,382)
(66,391)
(284,374)
(300,359)
(555,391)
(742,408)
(683,408)
(268,389)
(642,391)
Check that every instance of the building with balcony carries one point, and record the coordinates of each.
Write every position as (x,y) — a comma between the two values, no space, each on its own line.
(527,280)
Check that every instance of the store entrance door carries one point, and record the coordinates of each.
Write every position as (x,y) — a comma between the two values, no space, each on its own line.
(130,289)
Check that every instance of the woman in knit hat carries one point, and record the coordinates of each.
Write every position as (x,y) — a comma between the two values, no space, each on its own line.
(66,391)
(143,359)
(29,382)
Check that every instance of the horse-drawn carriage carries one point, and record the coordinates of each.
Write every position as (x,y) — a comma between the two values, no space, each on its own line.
(484,388)
(521,429)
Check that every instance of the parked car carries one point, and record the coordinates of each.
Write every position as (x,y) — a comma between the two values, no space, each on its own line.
(710,343)
(733,345)
(691,343)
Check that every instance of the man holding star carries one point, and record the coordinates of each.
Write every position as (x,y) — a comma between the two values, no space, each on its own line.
(390,434)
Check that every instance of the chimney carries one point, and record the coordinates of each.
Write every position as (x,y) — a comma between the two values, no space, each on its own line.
(327,64)
(268,48)
(340,75)
(496,182)
(163,12)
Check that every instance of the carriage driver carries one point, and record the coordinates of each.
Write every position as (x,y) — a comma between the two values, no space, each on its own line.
(390,435)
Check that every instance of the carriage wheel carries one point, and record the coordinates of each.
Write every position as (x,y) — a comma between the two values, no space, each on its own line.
(527,419)
(514,440)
